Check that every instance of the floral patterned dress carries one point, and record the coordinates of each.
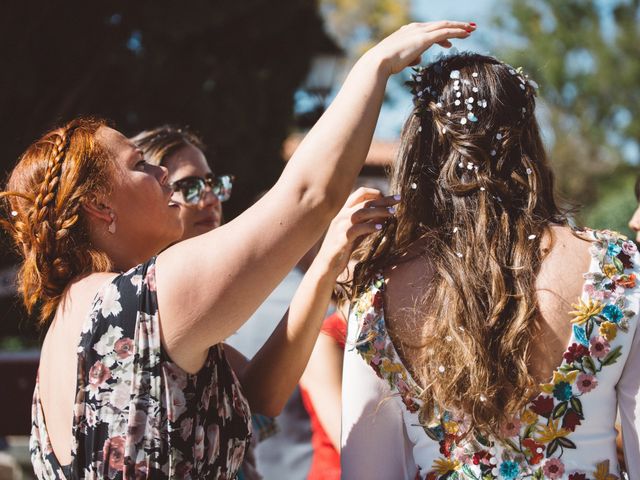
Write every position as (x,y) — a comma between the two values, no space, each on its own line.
(565,432)
(137,414)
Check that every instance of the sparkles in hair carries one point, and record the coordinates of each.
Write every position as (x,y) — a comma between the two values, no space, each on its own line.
(479,195)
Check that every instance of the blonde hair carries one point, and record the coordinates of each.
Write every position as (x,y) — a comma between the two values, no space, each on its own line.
(43,216)
(479,194)
(158,143)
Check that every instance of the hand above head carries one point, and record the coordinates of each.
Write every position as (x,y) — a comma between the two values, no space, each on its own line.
(404,47)
(363,213)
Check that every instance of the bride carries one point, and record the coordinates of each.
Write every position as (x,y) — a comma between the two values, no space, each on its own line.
(486,338)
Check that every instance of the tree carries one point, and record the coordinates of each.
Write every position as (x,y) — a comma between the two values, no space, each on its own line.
(584,54)
(357,24)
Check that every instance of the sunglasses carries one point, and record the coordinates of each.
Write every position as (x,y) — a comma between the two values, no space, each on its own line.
(193,189)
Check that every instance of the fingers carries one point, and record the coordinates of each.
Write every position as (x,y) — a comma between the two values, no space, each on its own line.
(361,229)
(387,201)
(445,44)
(445,34)
(362,194)
(378,210)
(448,24)
(405,46)
(378,214)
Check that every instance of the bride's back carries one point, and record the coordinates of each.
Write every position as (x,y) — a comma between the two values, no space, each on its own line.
(558,287)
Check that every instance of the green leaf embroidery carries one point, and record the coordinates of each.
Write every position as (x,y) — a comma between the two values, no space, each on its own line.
(511,444)
(589,327)
(588,362)
(576,404)
(528,431)
(568,367)
(618,263)
(433,434)
(552,447)
(559,410)
(566,443)
(612,356)
(482,440)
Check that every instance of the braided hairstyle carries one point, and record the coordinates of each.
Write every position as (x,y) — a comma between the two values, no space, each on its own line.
(477,191)
(42,214)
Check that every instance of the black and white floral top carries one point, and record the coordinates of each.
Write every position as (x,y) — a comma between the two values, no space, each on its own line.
(137,414)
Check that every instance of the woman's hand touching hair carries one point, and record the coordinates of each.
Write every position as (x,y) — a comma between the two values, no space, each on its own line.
(364,212)
(404,47)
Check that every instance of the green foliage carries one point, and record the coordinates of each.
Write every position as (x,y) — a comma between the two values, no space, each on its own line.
(616,202)
(584,55)
(357,24)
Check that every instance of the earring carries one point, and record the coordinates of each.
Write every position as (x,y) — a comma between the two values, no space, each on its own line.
(112,225)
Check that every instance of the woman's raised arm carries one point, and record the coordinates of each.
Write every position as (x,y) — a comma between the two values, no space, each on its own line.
(210,285)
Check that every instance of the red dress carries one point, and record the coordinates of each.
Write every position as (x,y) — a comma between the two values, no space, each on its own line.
(326,460)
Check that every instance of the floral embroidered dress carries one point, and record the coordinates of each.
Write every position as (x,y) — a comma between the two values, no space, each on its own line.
(137,414)
(565,432)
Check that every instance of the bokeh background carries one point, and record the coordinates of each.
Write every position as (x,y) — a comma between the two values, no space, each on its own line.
(247,75)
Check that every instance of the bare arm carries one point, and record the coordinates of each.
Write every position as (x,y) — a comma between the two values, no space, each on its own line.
(323,381)
(236,359)
(270,377)
(209,285)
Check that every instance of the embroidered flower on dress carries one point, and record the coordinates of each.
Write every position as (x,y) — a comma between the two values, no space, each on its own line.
(602,472)
(599,347)
(613,249)
(542,406)
(610,270)
(535,450)
(571,420)
(613,313)
(608,330)
(510,428)
(586,382)
(553,468)
(585,310)
(509,470)
(626,281)
(550,432)
(578,476)
(528,417)
(575,353)
(562,391)
(443,466)
(629,248)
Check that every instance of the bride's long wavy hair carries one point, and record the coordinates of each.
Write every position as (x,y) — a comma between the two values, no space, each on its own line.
(477,190)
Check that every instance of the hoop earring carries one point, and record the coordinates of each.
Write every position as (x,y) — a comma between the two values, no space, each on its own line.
(112,225)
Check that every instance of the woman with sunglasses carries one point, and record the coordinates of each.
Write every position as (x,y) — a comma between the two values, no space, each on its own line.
(200,195)
(197,191)
(133,381)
